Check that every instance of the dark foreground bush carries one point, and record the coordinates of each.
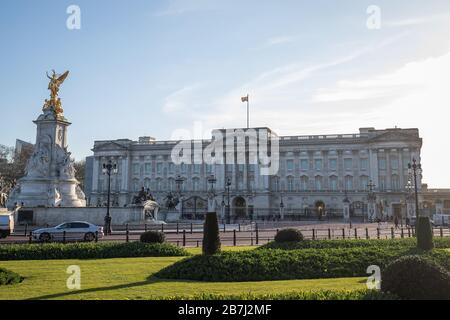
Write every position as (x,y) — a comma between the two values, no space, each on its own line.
(414,277)
(88,251)
(288,235)
(296,295)
(211,239)
(424,233)
(8,277)
(325,244)
(153,237)
(260,265)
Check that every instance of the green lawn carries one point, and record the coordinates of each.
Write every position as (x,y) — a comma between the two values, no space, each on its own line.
(128,279)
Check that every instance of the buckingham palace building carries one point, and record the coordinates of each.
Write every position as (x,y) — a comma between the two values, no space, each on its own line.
(308,175)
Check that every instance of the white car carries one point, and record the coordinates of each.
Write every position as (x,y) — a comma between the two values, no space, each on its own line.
(69,231)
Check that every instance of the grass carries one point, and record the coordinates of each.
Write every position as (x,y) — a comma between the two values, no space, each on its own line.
(127,278)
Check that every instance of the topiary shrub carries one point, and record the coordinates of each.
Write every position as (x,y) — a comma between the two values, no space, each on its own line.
(415,277)
(289,235)
(424,233)
(153,237)
(8,277)
(211,239)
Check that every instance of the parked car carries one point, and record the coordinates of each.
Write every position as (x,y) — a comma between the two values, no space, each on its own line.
(69,231)
(6,225)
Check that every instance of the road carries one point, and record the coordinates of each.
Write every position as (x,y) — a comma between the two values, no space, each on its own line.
(191,235)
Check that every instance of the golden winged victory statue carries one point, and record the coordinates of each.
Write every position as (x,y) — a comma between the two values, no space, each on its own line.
(54,103)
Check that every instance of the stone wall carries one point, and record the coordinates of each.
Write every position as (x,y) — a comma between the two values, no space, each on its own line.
(55,216)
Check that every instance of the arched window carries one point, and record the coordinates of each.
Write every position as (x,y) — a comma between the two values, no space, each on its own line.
(318,183)
(171,184)
(304,183)
(395,182)
(290,184)
(363,182)
(333,183)
(348,183)
(147,183)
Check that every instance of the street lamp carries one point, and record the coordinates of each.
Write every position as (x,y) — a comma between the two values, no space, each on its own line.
(281,207)
(415,169)
(228,185)
(212,181)
(179,182)
(109,169)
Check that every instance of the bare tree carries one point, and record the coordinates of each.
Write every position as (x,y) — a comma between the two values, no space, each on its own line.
(80,169)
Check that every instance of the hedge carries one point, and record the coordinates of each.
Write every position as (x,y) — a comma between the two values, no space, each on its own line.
(382,243)
(417,278)
(8,277)
(88,251)
(362,294)
(261,265)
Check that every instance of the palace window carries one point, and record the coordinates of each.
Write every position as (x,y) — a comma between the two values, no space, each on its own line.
(135,168)
(318,183)
(159,168)
(364,164)
(395,181)
(147,183)
(334,183)
(318,164)
(364,182)
(171,167)
(304,183)
(290,165)
(333,164)
(348,164)
(304,164)
(382,183)
(348,183)
(394,163)
(148,169)
(382,163)
(290,184)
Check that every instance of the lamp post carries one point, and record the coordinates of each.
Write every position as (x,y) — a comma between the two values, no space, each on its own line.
(179,182)
(415,169)
(228,185)
(109,169)
(212,181)
(371,197)
(281,207)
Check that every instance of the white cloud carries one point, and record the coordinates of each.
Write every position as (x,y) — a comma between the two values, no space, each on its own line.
(415,95)
(180,100)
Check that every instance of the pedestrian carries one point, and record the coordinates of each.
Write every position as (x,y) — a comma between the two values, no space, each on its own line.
(396,222)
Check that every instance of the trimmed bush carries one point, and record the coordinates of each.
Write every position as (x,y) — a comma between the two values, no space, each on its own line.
(414,277)
(288,235)
(104,250)
(424,233)
(261,265)
(324,244)
(153,237)
(211,238)
(8,277)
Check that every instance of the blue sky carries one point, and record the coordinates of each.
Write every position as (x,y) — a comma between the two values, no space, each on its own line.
(164,68)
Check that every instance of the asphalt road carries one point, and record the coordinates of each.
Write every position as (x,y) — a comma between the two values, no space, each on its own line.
(250,234)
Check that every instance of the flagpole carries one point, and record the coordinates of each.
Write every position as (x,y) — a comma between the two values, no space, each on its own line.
(248,112)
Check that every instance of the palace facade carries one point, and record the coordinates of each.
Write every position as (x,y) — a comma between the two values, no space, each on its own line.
(316,174)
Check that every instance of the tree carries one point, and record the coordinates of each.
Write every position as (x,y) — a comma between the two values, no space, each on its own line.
(211,238)
(80,170)
(12,165)
(424,233)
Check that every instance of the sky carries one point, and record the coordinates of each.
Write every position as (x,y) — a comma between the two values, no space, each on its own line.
(173,68)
